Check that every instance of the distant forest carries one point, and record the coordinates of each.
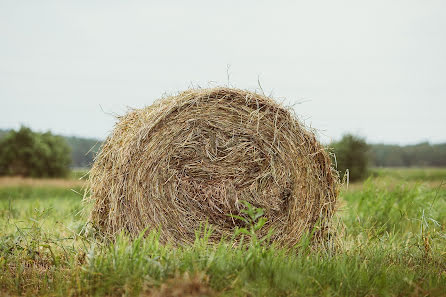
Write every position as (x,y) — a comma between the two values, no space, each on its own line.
(83,150)
(423,154)
(418,155)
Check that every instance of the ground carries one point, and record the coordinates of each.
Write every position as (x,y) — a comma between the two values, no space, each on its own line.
(388,239)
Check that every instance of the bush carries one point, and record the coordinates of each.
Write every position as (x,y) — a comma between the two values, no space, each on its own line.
(352,153)
(28,153)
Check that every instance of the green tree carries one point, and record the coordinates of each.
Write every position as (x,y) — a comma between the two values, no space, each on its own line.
(352,154)
(28,153)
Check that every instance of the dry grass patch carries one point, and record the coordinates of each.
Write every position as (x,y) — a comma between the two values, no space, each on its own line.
(16,181)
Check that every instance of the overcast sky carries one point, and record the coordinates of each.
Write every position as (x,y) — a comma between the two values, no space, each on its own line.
(373,68)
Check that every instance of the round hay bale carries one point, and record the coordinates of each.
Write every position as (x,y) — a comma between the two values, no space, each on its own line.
(192,158)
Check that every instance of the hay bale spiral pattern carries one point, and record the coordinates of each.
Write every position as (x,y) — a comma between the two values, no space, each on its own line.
(192,158)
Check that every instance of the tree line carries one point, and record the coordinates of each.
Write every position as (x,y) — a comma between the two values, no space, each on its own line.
(352,153)
(28,153)
(417,155)
(25,152)
(81,150)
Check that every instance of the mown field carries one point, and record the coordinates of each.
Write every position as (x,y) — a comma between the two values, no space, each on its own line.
(388,239)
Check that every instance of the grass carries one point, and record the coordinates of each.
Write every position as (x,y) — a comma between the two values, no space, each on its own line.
(387,241)
(411,174)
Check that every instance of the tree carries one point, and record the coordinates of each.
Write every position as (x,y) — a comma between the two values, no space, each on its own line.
(28,153)
(352,153)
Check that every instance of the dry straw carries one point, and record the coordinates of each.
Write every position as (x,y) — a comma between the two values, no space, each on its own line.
(192,158)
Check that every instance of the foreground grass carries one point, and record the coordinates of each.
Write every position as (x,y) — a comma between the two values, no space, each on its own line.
(387,242)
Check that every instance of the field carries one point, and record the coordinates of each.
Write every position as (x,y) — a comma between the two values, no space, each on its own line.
(388,239)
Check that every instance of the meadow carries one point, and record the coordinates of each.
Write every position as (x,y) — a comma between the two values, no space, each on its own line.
(388,239)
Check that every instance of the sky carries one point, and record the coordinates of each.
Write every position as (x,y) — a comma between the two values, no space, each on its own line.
(373,68)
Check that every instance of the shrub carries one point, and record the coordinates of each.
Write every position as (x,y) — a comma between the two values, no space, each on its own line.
(352,154)
(28,153)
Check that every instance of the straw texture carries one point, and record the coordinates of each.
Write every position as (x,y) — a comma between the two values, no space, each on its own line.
(192,158)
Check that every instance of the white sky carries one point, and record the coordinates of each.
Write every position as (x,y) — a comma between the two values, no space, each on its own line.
(374,68)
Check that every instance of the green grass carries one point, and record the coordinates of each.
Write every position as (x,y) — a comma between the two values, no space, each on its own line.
(53,208)
(386,242)
(411,174)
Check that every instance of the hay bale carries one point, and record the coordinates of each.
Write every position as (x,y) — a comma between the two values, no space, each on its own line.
(193,158)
